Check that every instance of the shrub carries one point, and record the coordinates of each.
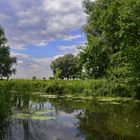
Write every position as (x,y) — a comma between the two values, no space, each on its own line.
(55,88)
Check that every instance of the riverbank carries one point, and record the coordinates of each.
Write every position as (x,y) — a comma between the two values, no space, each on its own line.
(102,90)
(84,88)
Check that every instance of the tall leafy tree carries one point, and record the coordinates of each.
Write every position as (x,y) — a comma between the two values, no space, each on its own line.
(65,67)
(94,59)
(112,31)
(128,34)
(6,61)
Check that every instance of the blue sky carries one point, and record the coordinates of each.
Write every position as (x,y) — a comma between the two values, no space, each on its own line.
(54,47)
(39,31)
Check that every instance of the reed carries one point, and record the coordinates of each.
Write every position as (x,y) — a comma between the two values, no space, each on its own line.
(101,87)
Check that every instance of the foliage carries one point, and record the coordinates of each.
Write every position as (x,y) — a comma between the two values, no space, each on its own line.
(34,78)
(5,97)
(51,78)
(112,27)
(54,88)
(100,87)
(6,61)
(65,67)
(113,47)
(94,60)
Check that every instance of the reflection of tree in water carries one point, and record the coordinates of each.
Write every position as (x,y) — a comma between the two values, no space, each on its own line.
(5,111)
(96,120)
(23,130)
(109,122)
(33,130)
(22,102)
(61,104)
(8,130)
(3,129)
(67,105)
(27,129)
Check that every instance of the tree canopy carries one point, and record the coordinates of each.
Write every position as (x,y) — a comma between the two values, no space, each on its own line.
(6,61)
(65,67)
(113,38)
(112,48)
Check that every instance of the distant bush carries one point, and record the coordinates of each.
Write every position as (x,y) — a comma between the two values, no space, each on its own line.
(51,78)
(55,88)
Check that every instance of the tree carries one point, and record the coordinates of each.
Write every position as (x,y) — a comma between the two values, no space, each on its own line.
(65,67)
(96,55)
(6,61)
(58,74)
(94,59)
(34,78)
(112,33)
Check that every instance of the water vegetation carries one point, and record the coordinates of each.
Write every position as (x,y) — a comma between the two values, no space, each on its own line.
(33,117)
(100,87)
(117,117)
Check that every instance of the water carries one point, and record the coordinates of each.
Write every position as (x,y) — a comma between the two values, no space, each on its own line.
(38,118)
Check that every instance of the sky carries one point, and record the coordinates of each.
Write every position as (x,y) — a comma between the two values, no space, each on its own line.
(39,31)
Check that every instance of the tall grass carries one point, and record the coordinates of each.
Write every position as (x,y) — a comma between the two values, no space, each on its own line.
(5,97)
(101,87)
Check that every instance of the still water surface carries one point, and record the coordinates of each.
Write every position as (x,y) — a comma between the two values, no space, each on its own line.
(38,118)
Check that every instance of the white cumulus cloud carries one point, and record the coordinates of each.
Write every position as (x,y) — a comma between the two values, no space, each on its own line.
(33,21)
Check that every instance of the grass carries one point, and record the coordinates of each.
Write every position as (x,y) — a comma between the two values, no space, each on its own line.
(5,97)
(73,89)
(101,87)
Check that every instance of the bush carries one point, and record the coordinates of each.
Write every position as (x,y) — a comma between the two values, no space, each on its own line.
(55,88)
(137,91)
(120,90)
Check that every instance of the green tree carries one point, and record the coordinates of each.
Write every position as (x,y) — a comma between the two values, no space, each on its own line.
(6,61)
(94,59)
(58,74)
(112,32)
(128,21)
(34,78)
(65,67)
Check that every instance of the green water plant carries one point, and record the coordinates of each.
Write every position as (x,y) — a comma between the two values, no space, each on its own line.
(25,116)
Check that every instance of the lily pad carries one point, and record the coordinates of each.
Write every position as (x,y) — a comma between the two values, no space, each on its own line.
(42,112)
(33,117)
(112,99)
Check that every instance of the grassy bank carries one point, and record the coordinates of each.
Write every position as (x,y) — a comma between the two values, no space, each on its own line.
(101,87)
(5,98)
(71,89)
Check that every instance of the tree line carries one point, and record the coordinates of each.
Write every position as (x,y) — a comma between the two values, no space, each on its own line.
(112,48)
